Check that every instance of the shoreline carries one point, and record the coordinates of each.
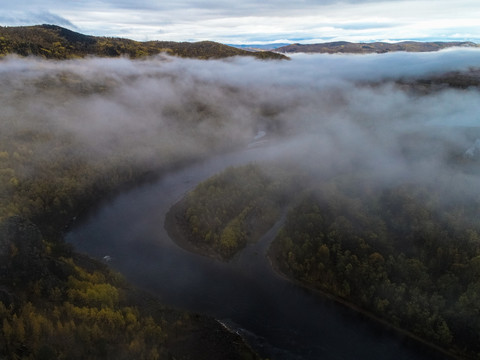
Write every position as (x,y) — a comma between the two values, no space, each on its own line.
(206,328)
(357,309)
(178,236)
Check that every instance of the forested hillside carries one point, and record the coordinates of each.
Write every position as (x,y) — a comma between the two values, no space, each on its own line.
(373,47)
(54,42)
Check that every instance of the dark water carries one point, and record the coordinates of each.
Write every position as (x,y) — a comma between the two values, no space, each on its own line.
(281,320)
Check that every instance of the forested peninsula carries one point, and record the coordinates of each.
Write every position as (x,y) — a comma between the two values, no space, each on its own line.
(228,211)
(407,254)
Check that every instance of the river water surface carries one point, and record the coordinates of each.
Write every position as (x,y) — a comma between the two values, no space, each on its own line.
(279,319)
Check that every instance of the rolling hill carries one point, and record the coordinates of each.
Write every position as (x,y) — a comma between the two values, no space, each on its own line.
(369,48)
(55,42)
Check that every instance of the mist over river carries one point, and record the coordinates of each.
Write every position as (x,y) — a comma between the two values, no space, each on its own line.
(279,319)
(72,129)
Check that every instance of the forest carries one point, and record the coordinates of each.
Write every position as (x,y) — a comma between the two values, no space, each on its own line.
(222,214)
(408,254)
(399,253)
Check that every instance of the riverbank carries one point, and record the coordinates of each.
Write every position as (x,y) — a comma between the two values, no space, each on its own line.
(189,334)
(274,264)
(173,226)
(48,275)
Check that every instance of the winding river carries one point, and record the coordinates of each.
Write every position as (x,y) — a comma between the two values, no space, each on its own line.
(278,318)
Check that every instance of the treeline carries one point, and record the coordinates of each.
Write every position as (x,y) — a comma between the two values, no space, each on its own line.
(232,208)
(55,42)
(401,253)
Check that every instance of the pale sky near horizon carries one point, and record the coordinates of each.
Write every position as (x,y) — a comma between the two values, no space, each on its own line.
(253,21)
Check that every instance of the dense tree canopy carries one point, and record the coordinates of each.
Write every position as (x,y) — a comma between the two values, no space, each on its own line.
(399,253)
(407,253)
(232,208)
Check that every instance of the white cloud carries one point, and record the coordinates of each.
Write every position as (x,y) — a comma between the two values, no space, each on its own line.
(247,21)
(17,18)
(157,108)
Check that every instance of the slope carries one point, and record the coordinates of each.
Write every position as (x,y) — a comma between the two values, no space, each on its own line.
(55,42)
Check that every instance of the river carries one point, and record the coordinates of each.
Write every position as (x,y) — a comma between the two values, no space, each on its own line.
(278,318)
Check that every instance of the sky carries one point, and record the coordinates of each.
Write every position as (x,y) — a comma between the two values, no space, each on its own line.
(254,21)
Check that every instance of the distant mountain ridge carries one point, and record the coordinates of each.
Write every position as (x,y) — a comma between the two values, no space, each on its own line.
(55,42)
(369,48)
(259,47)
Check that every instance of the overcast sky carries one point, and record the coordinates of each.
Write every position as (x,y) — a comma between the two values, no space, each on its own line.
(254,21)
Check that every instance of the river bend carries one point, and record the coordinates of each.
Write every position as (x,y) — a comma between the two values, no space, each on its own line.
(280,319)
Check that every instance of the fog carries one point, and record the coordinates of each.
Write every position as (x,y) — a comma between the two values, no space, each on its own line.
(329,112)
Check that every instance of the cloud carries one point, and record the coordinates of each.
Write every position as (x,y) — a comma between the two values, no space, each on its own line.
(333,113)
(244,22)
(363,25)
(16,18)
